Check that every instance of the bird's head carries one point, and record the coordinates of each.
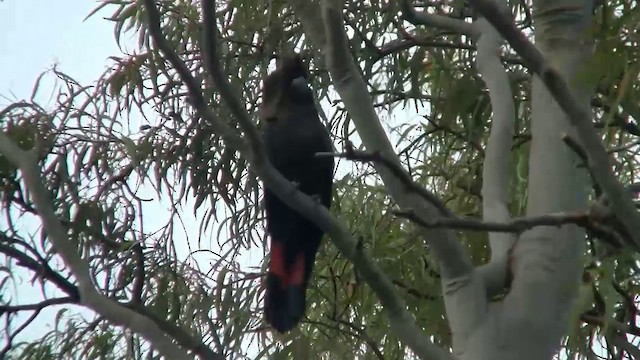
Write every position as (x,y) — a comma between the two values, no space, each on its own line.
(284,86)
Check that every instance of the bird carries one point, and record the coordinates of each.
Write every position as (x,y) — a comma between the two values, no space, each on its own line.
(292,135)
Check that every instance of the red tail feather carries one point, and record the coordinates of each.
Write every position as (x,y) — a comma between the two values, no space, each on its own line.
(294,275)
(285,296)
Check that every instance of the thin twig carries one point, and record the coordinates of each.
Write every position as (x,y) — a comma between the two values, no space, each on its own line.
(9,309)
(376,157)
(515,225)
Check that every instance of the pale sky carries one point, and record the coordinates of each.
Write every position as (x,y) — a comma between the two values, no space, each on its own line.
(37,34)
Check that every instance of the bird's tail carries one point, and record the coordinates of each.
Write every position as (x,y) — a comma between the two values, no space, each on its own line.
(285,301)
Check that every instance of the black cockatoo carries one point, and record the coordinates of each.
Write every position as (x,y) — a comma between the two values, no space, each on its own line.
(292,136)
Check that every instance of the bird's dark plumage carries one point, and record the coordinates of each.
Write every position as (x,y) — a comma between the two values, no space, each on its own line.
(292,135)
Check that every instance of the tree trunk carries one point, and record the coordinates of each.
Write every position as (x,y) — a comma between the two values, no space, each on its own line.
(547,261)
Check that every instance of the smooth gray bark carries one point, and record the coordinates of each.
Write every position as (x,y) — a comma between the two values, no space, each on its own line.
(497,163)
(531,321)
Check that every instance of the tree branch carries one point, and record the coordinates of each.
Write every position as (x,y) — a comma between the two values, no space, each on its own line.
(27,162)
(618,326)
(515,225)
(396,169)
(454,262)
(17,331)
(590,221)
(8,309)
(496,167)
(38,267)
(497,160)
(410,14)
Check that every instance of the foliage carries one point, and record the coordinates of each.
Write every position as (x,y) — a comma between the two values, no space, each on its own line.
(116,151)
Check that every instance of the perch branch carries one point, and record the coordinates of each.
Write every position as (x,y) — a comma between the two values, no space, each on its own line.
(396,169)
(410,14)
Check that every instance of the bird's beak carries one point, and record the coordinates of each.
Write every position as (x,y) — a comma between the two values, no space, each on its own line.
(300,83)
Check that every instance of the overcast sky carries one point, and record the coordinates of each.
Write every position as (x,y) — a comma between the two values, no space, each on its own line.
(37,34)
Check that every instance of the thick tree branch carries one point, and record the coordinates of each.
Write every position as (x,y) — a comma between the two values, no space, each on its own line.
(354,94)
(577,116)
(496,166)
(410,14)
(457,272)
(497,160)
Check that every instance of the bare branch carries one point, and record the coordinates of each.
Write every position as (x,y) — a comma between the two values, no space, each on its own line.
(590,221)
(38,266)
(496,167)
(396,169)
(397,45)
(515,225)
(578,116)
(4,309)
(497,159)
(410,14)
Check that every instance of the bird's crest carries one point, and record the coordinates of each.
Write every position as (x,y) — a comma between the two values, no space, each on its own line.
(289,67)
